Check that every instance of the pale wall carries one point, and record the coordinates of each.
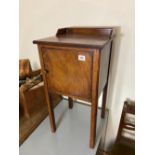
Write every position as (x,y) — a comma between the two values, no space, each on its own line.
(41,18)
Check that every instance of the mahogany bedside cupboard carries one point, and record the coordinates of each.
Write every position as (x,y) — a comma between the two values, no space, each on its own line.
(75,63)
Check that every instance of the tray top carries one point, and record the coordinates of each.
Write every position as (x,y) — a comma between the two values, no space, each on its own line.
(80,37)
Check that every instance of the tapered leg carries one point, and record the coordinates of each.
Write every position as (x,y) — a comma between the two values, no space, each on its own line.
(47,95)
(93,123)
(70,101)
(104,98)
(51,112)
(94,99)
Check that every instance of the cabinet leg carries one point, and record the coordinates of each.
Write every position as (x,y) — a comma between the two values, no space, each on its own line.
(104,98)
(51,112)
(47,94)
(70,101)
(93,124)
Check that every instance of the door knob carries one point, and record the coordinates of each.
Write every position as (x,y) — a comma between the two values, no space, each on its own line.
(45,71)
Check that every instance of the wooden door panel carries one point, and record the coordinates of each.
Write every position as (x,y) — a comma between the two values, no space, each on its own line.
(66,73)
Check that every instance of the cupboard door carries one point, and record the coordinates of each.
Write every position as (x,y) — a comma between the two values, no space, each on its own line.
(69,71)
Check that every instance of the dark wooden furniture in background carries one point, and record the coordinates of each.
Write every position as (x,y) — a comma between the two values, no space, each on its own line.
(32,100)
(27,80)
(76,63)
(125,142)
(37,110)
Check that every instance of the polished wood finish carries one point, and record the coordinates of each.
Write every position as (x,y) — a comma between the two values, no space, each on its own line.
(75,63)
(80,37)
(94,104)
(62,72)
(49,102)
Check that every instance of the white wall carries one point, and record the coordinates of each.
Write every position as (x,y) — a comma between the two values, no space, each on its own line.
(41,18)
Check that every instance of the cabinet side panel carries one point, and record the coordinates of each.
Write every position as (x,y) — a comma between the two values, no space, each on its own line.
(104,65)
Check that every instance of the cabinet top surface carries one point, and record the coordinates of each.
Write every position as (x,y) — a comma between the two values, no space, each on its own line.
(80,37)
